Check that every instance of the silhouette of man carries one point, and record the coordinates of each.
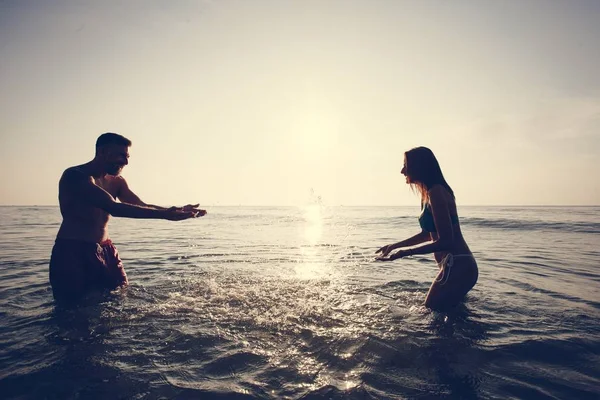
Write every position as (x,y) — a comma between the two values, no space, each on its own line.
(83,257)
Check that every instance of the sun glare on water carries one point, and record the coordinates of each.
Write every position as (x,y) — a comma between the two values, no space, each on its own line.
(311,265)
(313,225)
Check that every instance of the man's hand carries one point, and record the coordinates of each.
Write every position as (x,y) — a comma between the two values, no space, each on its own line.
(174,214)
(190,208)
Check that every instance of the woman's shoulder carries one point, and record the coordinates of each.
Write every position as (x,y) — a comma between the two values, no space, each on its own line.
(439,192)
(437,189)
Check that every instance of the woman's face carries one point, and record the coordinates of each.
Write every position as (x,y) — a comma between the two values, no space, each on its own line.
(403,172)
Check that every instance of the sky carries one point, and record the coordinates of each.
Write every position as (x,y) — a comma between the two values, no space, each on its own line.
(283,102)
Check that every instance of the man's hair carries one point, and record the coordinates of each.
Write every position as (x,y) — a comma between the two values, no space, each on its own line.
(112,138)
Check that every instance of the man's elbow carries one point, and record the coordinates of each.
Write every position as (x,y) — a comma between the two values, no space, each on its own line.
(114,209)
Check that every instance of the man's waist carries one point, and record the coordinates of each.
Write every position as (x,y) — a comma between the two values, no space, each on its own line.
(82,241)
(82,233)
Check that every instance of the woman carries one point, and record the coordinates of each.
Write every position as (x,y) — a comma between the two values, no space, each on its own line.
(440,228)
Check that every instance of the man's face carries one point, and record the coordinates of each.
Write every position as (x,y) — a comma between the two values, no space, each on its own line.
(115,158)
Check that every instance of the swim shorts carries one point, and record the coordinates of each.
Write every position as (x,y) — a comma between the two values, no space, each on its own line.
(78,267)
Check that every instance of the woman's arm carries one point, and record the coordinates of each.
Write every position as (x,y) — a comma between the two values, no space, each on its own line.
(443,225)
(411,241)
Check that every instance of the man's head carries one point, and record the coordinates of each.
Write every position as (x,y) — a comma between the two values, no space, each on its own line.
(112,150)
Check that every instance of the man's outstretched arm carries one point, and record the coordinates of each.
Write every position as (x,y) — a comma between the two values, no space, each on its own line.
(126,195)
(95,196)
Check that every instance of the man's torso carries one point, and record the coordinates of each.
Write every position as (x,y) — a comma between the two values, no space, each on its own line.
(81,220)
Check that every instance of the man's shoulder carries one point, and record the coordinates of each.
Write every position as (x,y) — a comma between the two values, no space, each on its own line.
(115,180)
(75,173)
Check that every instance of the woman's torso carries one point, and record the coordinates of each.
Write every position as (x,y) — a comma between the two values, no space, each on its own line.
(459,245)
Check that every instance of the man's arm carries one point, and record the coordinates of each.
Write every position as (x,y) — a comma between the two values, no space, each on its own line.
(91,194)
(126,195)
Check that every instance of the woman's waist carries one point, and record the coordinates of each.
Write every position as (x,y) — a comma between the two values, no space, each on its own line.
(455,254)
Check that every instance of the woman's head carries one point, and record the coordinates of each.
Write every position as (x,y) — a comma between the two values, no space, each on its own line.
(422,171)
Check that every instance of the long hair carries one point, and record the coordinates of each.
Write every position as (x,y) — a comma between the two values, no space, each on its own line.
(424,171)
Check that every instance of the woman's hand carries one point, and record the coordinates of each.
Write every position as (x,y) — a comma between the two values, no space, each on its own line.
(395,256)
(385,250)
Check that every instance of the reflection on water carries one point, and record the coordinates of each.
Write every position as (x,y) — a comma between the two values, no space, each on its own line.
(311,264)
(313,223)
(289,305)
(294,335)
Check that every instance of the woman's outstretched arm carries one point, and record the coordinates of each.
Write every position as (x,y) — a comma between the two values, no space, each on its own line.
(411,241)
(443,224)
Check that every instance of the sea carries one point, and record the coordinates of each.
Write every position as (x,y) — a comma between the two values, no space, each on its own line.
(288,303)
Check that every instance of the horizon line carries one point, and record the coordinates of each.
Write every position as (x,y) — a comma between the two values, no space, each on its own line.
(344,205)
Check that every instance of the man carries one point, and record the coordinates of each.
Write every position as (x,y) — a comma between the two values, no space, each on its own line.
(83,257)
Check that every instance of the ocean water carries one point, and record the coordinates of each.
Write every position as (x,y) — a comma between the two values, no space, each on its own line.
(287,303)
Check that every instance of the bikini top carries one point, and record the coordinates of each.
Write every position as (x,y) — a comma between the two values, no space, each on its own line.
(426,219)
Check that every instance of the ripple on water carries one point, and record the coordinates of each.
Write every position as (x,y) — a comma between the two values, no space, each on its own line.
(276,317)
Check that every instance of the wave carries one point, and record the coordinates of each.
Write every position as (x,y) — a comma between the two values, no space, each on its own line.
(515,224)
